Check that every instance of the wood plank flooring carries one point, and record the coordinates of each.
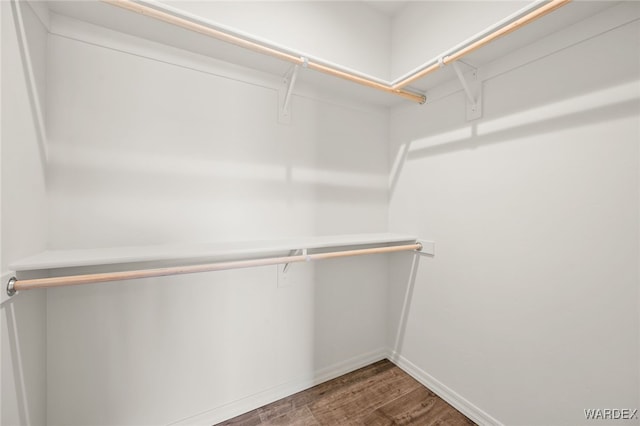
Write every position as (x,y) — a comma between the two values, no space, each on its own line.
(380,394)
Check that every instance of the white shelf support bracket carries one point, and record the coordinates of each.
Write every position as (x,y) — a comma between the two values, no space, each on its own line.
(472,88)
(286,265)
(428,248)
(284,96)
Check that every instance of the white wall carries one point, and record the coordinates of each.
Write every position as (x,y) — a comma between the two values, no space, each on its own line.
(144,151)
(22,319)
(529,310)
(348,33)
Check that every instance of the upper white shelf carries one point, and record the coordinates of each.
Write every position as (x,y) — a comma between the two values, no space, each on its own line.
(192,253)
(137,25)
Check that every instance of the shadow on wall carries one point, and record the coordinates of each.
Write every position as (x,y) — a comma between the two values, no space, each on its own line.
(350,315)
(596,107)
(15,361)
(22,374)
(404,276)
(171,177)
(28,72)
(142,202)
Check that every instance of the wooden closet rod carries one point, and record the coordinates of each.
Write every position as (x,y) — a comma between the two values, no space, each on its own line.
(15,285)
(454,56)
(262,48)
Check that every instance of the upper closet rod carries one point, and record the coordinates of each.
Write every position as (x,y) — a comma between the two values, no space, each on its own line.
(228,37)
(475,45)
(15,285)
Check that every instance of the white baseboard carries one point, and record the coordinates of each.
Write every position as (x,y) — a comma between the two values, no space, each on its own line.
(257,400)
(458,402)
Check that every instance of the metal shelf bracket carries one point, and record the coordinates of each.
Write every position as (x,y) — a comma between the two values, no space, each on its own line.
(472,88)
(284,95)
(428,248)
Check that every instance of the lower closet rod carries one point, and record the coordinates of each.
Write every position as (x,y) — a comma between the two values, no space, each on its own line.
(15,285)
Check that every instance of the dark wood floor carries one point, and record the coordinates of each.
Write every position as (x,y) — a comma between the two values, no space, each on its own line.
(376,395)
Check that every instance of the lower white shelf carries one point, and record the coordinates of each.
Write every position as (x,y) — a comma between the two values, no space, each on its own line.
(211,252)
(113,264)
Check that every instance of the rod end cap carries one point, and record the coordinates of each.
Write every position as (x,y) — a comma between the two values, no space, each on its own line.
(11,288)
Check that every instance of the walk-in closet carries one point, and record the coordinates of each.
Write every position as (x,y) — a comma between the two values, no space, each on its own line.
(217,211)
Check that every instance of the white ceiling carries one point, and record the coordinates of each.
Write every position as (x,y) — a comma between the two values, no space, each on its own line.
(389,8)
